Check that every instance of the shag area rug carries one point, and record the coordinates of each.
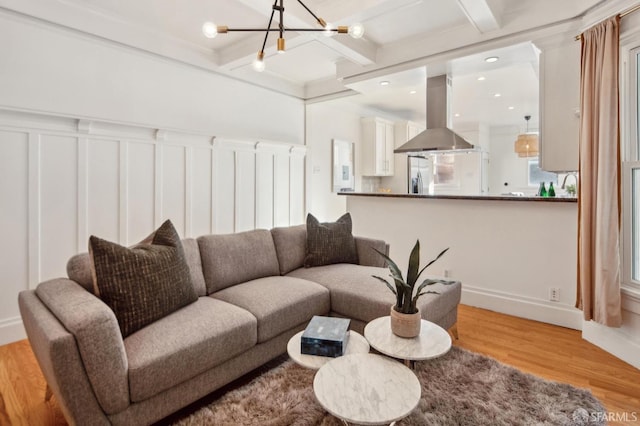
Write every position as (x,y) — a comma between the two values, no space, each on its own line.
(460,388)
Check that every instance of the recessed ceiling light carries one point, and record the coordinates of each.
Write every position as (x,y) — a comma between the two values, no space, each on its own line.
(497,95)
(384,83)
(491,59)
(413,92)
(512,107)
(481,78)
(456,115)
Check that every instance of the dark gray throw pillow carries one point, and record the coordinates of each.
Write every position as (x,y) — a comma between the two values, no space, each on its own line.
(144,283)
(330,242)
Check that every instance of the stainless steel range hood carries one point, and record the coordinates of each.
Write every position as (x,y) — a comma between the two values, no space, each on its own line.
(438,136)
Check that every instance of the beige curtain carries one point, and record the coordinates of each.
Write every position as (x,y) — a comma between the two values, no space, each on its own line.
(599,189)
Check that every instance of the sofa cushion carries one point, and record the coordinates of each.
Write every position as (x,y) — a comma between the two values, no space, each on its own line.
(367,256)
(330,242)
(291,247)
(144,283)
(235,258)
(79,270)
(186,343)
(79,267)
(192,255)
(279,303)
(356,294)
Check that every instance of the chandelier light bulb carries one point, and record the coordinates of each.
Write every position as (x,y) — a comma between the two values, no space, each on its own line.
(329,30)
(356,30)
(258,63)
(210,30)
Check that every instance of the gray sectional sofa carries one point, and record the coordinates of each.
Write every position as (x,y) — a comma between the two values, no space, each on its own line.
(253,294)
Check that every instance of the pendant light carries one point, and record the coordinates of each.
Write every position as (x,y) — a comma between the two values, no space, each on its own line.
(527,143)
(211,30)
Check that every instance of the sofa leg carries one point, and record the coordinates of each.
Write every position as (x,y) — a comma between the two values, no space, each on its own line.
(47,394)
(454,331)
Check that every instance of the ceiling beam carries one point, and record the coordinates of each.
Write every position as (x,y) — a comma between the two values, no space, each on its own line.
(246,51)
(480,14)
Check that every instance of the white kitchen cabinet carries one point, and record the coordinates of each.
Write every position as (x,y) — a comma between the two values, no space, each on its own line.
(403,131)
(377,147)
(559,103)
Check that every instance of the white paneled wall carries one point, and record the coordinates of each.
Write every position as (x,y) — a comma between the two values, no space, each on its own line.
(62,180)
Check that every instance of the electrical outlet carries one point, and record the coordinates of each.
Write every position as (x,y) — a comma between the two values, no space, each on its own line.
(554,294)
(447,273)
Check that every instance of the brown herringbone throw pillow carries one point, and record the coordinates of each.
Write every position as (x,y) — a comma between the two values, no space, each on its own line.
(143,283)
(330,242)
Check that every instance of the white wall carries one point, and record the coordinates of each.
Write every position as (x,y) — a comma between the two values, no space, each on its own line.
(45,68)
(335,119)
(327,121)
(507,254)
(97,138)
(504,164)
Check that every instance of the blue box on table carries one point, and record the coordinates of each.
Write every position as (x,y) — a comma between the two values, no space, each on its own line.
(325,336)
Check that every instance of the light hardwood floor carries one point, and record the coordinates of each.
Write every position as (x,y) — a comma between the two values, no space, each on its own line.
(544,350)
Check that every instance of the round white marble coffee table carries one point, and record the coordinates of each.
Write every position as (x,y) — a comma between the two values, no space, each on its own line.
(433,341)
(357,344)
(366,389)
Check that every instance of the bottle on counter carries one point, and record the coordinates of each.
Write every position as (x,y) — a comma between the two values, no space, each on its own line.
(542,191)
(551,192)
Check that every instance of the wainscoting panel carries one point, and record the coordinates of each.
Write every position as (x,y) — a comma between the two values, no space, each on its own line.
(140,191)
(64,179)
(58,204)
(282,186)
(174,170)
(103,188)
(264,189)
(296,207)
(202,191)
(224,194)
(245,190)
(14,214)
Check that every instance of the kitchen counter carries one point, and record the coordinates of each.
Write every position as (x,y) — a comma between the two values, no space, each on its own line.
(508,255)
(464,197)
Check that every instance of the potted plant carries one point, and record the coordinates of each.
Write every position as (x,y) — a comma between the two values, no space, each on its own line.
(405,315)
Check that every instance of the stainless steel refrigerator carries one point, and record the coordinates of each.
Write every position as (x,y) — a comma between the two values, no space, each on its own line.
(419,175)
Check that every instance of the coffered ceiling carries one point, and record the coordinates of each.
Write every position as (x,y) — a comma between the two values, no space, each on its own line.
(408,39)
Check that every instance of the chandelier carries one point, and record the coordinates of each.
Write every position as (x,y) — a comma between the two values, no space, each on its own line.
(527,143)
(210,30)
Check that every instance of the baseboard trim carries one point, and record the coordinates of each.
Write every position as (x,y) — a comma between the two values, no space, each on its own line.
(533,309)
(612,340)
(11,330)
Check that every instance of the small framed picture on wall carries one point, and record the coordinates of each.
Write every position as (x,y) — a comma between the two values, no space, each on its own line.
(343,175)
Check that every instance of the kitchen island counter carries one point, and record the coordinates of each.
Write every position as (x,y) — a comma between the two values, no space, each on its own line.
(464,197)
(511,257)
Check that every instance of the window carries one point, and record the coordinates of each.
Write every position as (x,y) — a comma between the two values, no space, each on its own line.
(537,175)
(631,224)
(635,214)
(444,169)
(631,173)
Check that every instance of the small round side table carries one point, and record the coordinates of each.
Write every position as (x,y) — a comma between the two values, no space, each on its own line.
(433,341)
(356,344)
